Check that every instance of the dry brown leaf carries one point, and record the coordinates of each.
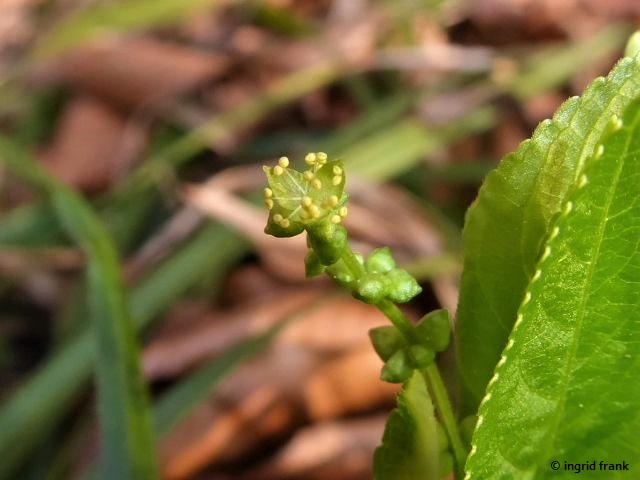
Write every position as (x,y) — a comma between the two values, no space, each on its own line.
(326,451)
(260,397)
(138,72)
(512,20)
(18,261)
(208,435)
(316,355)
(339,324)
(347,384)
(250,281)
(93,145)
(172,354)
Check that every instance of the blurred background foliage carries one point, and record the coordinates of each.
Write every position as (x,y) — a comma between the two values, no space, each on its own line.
(131,244)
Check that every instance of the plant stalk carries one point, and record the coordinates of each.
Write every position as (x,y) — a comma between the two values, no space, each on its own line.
(431,374)
(441,399)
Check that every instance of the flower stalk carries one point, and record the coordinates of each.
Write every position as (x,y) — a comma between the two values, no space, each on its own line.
(314,201)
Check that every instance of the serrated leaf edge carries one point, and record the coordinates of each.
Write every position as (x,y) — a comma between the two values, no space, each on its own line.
(615,124)
(563,119)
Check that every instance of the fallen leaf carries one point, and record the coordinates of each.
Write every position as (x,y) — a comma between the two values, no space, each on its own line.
(347,384)
(93,146)
(326,451)
(138,72)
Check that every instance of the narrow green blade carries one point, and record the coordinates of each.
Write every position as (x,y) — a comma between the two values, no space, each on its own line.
(129,446)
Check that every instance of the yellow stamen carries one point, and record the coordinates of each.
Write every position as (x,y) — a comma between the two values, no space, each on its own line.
(343,212)
(306,201)
(316,183)
(268,193)
(304,215)
(337,180)
(336,219)
(314,211)
(278,170)
(283,162)
(308,175)
(285,223)
(278,218)
(322,157)
(310,159)
(333,200)
(337,170)
(269,203)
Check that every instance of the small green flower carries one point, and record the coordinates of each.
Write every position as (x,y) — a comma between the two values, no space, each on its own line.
(384,280)
(299,201)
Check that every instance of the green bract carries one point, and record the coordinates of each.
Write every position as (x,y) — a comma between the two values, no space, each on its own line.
(299,201)
(415,349)
(434,329)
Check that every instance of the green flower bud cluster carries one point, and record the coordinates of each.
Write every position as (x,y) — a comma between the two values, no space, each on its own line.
(314,201)
(402,355)
(383,280)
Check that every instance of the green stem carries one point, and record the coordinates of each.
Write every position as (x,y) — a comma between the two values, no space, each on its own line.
(441,399)
(431,374)
(351,262)
(399,320)
(436,386)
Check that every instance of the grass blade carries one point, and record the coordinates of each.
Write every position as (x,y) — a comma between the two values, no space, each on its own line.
(129,447)
(111,17)
(37,407)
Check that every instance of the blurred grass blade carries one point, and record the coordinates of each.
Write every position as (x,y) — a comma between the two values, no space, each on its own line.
(39,405)
(200,384)
(549,68)
(33,225)
(129,447)
(396,150)
(122,16)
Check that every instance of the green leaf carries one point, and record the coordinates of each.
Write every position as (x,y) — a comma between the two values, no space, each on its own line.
(434,330)
(566,387)
(410,448)
(386,341)
(398,368)
(506,226)
(129,446)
